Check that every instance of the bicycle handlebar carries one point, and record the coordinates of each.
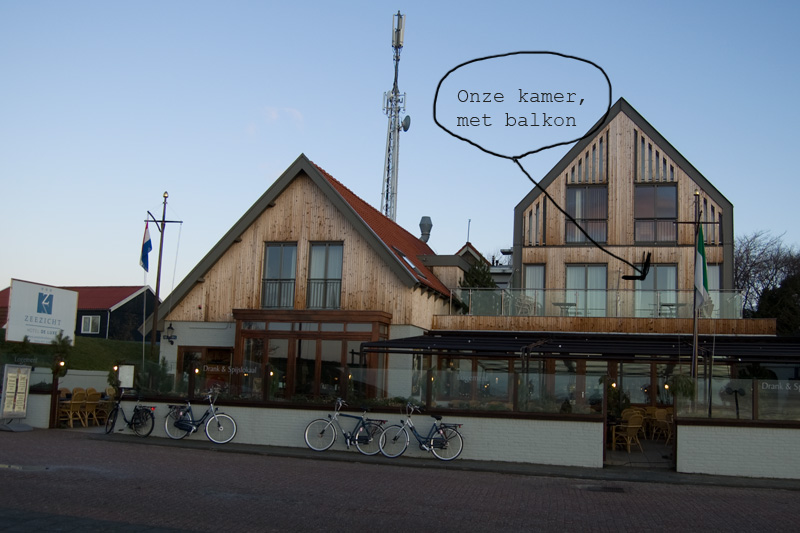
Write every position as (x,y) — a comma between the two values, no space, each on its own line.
(410,408)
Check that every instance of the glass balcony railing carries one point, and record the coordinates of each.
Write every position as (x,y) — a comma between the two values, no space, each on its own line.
(592,303)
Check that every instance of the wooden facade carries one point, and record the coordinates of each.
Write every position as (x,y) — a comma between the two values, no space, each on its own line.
(303,214)
(667,326)
(625,152)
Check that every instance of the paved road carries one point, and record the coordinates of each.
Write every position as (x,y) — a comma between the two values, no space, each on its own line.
(60,480)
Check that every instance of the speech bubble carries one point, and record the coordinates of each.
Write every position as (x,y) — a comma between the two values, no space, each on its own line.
(519,103)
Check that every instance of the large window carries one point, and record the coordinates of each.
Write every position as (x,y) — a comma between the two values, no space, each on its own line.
(325,276)
(90,324)
(532,302)
(586,290)
(277,286)
(656,213)
(656,295)
(588,205)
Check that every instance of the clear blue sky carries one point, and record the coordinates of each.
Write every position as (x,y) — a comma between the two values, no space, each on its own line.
(106,105)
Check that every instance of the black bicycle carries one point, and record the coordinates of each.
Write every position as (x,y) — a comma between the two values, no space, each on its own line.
(321,433)
(442,440)
(220,428)
(142,420)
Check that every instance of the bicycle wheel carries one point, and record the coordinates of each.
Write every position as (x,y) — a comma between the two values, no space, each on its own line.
(143,422)
(320,434)
(172,431)
(368,438)
(447,444)
(221,428)
(393,441)
(111,420)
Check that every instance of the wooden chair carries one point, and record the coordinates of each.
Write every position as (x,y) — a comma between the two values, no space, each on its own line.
(657,426)
(63,392)
(90,391)
(628,433)
(78,389)
(72,410)
(90,409)
(649,418)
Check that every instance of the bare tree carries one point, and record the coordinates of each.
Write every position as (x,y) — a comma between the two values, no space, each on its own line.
(761,263)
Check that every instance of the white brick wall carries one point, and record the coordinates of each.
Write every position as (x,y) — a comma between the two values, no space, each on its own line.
(714,450)
(739,451)
(487,439)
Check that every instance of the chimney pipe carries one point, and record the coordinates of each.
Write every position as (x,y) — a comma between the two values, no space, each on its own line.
(425,226)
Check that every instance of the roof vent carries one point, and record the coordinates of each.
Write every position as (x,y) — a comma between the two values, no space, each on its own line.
(425,226)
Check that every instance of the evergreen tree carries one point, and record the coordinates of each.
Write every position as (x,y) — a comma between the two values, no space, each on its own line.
(479,276)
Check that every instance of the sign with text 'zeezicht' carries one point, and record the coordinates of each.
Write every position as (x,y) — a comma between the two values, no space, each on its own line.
(39,312)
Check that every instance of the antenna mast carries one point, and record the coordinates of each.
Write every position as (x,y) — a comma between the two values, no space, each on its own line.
(394,103)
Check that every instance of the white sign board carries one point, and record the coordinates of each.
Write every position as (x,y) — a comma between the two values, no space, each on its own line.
(39,312)
(15,391)
(126,376)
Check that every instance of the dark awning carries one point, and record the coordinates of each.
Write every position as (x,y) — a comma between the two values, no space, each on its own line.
(639,347)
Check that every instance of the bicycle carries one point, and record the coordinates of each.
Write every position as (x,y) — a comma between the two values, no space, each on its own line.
(219,427)
(142,420)
(321,433)
(443,440)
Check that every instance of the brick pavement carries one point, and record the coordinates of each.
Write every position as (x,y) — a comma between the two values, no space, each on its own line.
(62,480)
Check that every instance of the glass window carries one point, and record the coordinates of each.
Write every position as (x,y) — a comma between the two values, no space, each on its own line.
(656,213)
(90,324)
(589,207)
(325,276)
(252,384)
(712,271)
(277,286)
(586,291)
(533,298)
(656,295)
(305,362)
(331,370)
(277,359)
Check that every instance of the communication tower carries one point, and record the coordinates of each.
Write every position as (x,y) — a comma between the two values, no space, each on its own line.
(394,103)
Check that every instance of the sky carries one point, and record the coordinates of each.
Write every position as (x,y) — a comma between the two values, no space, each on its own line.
(104,106)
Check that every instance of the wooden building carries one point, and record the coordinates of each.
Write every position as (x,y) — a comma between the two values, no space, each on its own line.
(278,307)
(616,196)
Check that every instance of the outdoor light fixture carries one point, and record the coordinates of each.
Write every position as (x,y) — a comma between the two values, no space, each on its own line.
(170,336)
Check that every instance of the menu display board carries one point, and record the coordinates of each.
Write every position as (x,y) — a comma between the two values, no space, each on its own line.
(16,379)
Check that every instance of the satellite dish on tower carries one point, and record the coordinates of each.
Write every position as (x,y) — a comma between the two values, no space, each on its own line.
(406,123)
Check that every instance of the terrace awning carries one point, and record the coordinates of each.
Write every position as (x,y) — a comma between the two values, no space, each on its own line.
(617,347)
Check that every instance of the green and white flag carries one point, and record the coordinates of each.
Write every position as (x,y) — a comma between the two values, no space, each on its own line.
(700,272)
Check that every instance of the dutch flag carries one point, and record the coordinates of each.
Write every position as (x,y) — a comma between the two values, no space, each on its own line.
(147,246)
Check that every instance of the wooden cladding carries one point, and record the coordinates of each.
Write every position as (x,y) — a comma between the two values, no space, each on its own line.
(605,325)
(303,214)
(621,157)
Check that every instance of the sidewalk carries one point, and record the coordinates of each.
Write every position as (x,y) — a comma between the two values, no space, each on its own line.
(655,472)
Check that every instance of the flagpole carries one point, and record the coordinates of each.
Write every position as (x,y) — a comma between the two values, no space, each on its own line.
(162,228)
(694,292)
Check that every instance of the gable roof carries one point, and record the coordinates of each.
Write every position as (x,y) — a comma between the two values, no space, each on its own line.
(398,248)
(622,106)
(106,298)
(469,250)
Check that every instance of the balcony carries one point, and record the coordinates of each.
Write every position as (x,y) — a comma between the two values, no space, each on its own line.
(591,303)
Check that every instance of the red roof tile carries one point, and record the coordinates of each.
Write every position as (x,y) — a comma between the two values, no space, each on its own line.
(399,241)
(102,297)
